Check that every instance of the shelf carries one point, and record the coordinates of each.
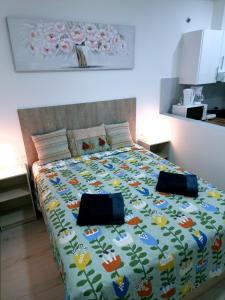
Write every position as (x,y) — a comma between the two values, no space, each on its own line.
(14,193)
(20,216)
(162,154)
(152,141)
(12,172)
(161,148)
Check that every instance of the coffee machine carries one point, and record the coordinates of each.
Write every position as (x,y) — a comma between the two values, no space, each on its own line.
(197,90)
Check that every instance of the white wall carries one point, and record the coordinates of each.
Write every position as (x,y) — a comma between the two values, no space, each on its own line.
(218,18)
(159,25)
(199,147)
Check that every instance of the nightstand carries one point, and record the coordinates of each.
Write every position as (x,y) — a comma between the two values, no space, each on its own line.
(16,201)
(159,147)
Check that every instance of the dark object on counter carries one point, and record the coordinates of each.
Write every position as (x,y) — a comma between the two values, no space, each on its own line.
(195,113)
(220,113)
(101,209)
(180,184)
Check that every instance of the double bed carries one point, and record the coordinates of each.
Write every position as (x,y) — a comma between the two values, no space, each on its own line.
(169,244)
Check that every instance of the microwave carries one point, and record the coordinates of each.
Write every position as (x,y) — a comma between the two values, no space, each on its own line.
(193,111)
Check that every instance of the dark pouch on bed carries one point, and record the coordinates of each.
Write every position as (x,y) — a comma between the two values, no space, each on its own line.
(101,209)
(181,184)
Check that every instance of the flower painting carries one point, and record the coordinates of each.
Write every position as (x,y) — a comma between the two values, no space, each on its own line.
(67,45)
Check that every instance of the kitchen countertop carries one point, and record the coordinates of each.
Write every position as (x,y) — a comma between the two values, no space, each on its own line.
(218,121)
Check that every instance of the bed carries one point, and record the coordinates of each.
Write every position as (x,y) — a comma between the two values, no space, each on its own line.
(169,244)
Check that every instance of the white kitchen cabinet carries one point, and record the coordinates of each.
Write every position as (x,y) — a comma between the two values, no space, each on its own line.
(200,56)
(221,69)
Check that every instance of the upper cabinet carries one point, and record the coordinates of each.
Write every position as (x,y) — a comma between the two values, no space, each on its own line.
(200,56)
(221,68)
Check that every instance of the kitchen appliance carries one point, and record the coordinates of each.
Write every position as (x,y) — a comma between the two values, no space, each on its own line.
(198,94)
(210,116)
(188,96)
(193,111)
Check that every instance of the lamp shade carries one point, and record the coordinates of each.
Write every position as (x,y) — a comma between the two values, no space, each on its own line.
(8,155)
(10,164)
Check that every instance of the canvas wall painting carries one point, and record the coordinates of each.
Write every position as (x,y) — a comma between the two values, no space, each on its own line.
(41,45)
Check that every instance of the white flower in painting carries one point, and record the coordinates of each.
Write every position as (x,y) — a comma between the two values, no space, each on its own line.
(78,35)
(91,29)
(47,50)
(106,47)
(52,37)
(34,34)
(92,43)
(118,43)
(60,27)
(116,39)
(65,46)
(111,30)
(103,35)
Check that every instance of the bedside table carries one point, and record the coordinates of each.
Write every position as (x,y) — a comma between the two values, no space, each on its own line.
(16,201)
(159,147)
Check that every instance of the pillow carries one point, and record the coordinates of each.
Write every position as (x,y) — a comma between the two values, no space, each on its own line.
(87,141)
(118,135)
(51,146)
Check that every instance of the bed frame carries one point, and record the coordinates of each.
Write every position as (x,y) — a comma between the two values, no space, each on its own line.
(41,120)
(83,115)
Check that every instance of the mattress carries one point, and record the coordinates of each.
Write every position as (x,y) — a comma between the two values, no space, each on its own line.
(169,244)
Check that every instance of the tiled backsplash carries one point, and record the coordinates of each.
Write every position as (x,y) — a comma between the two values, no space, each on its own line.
(214,95)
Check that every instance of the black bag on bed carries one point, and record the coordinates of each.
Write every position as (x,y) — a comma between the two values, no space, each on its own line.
(181,184)
(101,209)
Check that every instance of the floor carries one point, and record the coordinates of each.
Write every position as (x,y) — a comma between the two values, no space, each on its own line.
(28,270)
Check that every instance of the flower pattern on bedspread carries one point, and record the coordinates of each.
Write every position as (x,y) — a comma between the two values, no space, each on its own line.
(168,245)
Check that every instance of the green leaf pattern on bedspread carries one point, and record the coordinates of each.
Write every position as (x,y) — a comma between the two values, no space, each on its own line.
(169,244)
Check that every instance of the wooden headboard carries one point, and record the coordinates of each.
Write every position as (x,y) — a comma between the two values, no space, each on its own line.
(73,116)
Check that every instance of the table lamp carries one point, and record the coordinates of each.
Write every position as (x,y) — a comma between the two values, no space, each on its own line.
(9,161)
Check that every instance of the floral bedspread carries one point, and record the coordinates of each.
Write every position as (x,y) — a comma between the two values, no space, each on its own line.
(169,244)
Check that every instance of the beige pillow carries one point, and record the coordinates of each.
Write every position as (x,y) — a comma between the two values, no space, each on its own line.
(51,146)
(88,140)
(118,135)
